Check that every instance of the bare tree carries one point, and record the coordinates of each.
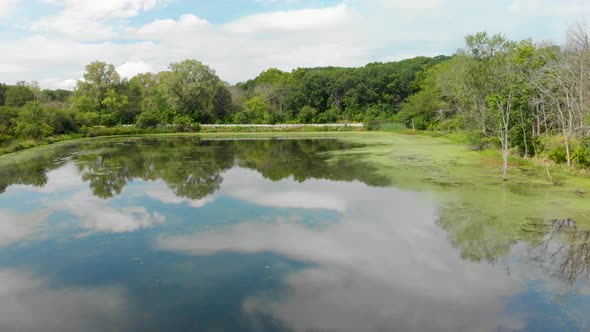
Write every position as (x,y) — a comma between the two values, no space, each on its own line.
(563,84)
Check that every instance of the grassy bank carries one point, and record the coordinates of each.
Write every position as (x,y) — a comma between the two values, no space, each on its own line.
(490,148)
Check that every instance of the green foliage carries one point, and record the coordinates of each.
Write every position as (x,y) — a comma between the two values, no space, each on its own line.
(108,119)
(196,91)
(581,153)
(18,96)
(478,141)
(30,122)
(58,95)
(521,138)
(240,118)
(191,91)
(7,121)
(558,154)
(114,102)
(147,119)
(184,123)
(374,91)
(124,130)
(425,108)
(99,80)
(307,114)
(373,124)
(61,121)
(83,104)
(3,88)
(257,111)
(87,119)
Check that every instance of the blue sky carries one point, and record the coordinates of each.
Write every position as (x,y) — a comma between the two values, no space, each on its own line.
(51,41)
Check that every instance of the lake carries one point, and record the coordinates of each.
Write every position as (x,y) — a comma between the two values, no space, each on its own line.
(324,233)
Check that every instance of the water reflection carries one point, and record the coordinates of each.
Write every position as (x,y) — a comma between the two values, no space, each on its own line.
(29,303)
(479,236)
(383,266)
(182,234)
(16,226)
(190,166)
(564,250)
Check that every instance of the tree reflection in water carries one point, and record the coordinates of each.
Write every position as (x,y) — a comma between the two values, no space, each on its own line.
(192,167)
(565,251)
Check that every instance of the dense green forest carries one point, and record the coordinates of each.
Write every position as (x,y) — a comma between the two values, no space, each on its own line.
(533,98)
(191,92)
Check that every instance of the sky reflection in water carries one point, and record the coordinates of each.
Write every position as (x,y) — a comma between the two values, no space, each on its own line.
(181,234)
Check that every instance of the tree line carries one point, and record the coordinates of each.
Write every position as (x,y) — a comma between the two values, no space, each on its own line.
(521,95)
(190,92)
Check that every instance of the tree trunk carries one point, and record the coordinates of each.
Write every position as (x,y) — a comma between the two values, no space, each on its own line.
(567,151)
(505,160)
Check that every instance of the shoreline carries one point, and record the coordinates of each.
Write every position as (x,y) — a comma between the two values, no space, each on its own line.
(297,132)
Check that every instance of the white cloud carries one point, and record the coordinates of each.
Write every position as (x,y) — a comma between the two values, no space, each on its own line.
(106,9)
(412,5)
(281,21)
(132,68)
(19,227)
(163,29)
(6,8)
(29,303)
(56,83)
(63,61)
(245,185)
(572,8)
(245,47)
(95,216)
(62,179)
(71,195)
(9,68)
(90,20)
(351,33)
(75,27)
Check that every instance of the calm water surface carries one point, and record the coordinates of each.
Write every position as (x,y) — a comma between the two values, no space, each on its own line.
(182,234)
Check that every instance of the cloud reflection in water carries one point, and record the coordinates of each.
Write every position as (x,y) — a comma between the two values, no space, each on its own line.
(385,265)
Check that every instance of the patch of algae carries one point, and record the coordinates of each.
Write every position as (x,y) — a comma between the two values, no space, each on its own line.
(482,215)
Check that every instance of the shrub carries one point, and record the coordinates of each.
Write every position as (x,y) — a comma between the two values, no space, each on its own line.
(478,141)
(240,118)
(147,120)
(183,123)
(307,114)
(30,122)
(87,119)
(581,153)
(450,124)
(109,119)
(61,122)
(558,154)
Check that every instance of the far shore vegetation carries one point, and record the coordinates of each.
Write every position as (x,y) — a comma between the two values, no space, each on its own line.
(526,99)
